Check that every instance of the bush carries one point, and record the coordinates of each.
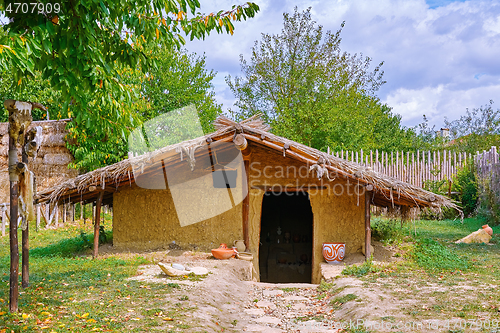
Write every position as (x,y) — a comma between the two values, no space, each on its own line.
(387,230)
(432,256)
(465,183)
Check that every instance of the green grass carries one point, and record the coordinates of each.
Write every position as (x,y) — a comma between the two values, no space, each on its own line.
(69,291)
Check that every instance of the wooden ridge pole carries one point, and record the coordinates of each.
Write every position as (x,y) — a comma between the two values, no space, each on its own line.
(97,224)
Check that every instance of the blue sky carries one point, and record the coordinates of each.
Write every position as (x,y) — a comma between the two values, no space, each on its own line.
(441,56)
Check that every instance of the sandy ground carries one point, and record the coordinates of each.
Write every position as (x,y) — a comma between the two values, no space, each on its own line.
(227,301)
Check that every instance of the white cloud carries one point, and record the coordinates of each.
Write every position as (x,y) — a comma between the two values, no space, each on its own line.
(438,102)
(440,57)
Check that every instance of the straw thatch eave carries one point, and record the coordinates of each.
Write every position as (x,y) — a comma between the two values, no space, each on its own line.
(387,191)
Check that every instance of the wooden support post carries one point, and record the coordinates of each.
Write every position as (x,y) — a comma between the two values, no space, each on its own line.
(97,224)
(56,207)
(38,217)
(242,144)
(65,212)
(81,211)
(4,222)
(368,231)
(73,210)
(14,249)
(246,206)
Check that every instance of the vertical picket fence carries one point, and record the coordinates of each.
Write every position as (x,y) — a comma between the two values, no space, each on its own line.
(411,167)
(487,163)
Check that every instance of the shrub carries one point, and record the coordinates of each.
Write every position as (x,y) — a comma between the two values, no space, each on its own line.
(465,183)
(387,230)
(433,256)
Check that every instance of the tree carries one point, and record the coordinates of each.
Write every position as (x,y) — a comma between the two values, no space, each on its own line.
(477,130)
(312,92)
(178,80)
(83,47)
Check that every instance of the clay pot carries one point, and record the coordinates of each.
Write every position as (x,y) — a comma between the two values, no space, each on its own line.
(333,252)
(223,252)
(488,229)
(240,245)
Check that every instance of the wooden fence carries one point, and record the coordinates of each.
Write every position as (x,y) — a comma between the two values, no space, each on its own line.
(414,168)
(487,163)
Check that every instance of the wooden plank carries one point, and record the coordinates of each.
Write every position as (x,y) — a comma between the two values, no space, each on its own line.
(97,223)
(4,222)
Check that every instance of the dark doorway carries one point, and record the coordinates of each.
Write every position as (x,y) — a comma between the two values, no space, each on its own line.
(285,251)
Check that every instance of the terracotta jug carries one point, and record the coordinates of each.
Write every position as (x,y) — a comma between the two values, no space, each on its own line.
(488,229)
(240,245)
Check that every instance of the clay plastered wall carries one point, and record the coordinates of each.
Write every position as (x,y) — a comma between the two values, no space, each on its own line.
(51,164)
(336,219)
(147,219)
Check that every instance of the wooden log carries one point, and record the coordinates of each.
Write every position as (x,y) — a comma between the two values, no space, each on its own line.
(368,231)
(97,224)
(240,142)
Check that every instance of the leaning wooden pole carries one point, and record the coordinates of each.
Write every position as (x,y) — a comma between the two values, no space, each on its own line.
(97,224)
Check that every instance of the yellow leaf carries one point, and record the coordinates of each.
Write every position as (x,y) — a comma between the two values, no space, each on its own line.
(220,22)
(25,316)
(91,320)
(85,315)
(157,33)
(167,319)
(179,15)
(45,314)
(19,82)
(2,313)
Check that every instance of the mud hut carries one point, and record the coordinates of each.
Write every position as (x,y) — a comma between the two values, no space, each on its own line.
(284,199)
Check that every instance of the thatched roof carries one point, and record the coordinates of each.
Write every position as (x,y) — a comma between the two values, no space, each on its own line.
(387,191)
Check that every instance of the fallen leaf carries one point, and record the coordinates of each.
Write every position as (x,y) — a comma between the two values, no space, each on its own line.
(167,319)
(85,315)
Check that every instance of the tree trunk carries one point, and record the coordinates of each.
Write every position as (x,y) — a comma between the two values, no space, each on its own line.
(14,250)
